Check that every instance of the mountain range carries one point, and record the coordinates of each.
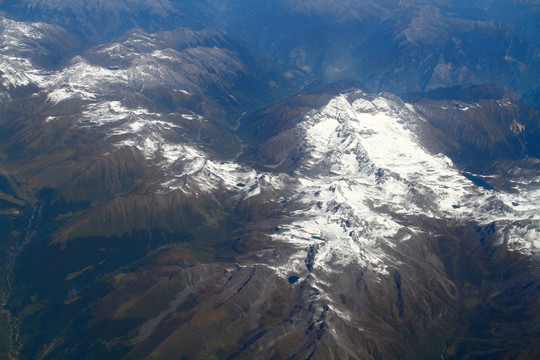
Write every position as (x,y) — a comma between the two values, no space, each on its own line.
(269,179)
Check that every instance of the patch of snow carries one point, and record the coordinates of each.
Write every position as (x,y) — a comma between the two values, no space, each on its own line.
(184,92)
(525,239)
(410,107)
(87,82)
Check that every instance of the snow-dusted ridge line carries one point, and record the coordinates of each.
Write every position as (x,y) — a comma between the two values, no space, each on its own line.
(154,64)
(20,41)
(184,164)
(365,169)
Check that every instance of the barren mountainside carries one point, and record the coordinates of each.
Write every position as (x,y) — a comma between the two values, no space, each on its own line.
(269,180)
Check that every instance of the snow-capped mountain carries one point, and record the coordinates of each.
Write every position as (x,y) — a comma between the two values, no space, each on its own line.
(158,200)
(365,172)
(183,61)
(442,43)
(152,92)
(28,49)
(369,199)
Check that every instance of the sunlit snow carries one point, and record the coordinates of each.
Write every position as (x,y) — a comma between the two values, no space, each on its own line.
(363,171)
(364,168)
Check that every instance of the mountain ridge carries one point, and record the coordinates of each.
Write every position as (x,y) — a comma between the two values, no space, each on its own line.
(173,193)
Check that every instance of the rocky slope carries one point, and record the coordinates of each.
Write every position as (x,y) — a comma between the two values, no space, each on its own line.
(226,260)
(158,200)
(396,46)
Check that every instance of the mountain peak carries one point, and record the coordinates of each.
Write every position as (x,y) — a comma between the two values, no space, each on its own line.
(186,179)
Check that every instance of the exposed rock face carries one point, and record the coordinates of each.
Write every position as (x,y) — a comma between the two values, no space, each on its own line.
(158,200)
(395,46)
(362,249)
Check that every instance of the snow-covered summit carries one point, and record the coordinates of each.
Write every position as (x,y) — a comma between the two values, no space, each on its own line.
(366,177)
(26,49)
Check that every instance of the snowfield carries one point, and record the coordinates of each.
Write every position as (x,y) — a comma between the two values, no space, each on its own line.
(365,171)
